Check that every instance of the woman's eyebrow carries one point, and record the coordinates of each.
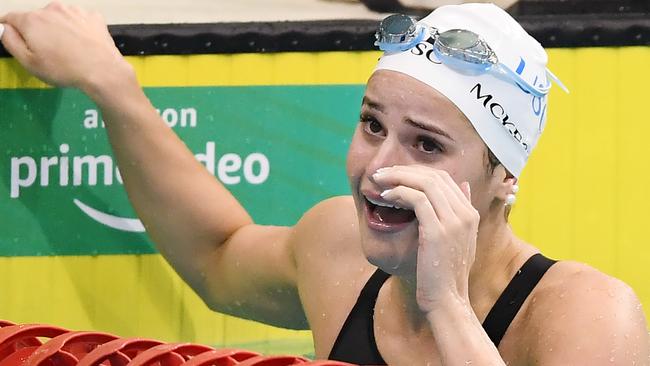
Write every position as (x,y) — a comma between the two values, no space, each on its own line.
(372,104)
(428,127)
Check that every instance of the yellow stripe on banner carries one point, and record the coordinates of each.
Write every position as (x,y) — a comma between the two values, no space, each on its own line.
(130,296)
(230,70)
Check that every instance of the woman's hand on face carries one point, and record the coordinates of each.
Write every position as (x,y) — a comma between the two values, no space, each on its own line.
(62,45)
(447,224)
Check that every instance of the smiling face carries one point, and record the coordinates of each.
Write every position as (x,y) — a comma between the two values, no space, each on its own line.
(405,122)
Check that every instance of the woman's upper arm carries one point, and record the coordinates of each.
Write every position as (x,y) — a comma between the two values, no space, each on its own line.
(254,274)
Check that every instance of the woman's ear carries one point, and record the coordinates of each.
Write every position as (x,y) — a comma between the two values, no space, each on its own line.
(506,186)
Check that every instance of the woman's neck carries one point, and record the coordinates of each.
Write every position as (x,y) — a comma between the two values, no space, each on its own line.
(499,254)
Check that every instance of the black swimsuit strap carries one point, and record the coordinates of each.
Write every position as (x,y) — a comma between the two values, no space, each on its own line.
(505,309)
(356,341)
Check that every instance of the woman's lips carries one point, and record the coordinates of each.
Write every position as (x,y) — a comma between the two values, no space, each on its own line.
(383,218)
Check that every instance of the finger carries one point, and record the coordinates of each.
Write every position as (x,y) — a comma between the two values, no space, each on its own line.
(466,190)
(451,187)
(463,198)
(56,5)
(423,178)
(15,44)
(415,200)
(425,183)
(16,19)
(454,187)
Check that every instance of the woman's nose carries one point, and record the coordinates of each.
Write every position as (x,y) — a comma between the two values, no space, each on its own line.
(387,154)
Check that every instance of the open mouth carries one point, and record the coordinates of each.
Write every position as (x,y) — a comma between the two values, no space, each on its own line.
(386,216)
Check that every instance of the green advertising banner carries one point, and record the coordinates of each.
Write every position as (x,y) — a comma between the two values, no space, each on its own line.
(279,149)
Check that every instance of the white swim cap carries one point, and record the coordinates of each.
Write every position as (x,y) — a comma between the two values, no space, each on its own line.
(508,119)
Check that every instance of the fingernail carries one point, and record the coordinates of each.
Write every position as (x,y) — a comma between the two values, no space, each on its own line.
(2,30)
(384,193)
(382,170)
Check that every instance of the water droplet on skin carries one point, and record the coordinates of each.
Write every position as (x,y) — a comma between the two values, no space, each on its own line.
(337,283)
(562,295)
(468,362)
(464,262)
(611,293)
(323,315)
(452,249)
(436,263)
(611,359)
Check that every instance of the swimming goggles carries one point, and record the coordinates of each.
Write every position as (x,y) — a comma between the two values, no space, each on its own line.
(459,49)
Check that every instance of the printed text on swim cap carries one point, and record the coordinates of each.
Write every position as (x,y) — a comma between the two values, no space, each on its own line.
(500,114)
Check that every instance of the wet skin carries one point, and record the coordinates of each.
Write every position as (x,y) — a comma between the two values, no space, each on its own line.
(309,275)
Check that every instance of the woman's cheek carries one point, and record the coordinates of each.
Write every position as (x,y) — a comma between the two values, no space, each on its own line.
(355,159)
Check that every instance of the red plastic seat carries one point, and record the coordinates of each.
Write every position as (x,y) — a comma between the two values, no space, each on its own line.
(221,357)
(68,348)
(118,352)
(18,342)
(273,361)
(172,354)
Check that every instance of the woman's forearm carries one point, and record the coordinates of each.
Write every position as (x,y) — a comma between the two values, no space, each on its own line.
(185,210)
(459,336)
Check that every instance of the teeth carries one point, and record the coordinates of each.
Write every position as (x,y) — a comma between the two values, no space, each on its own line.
(383,204)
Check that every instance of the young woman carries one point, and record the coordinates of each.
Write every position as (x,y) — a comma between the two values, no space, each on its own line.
(419,265)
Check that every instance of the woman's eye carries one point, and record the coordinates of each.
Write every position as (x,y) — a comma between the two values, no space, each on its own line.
(374,127)
(428,146)
(371,125)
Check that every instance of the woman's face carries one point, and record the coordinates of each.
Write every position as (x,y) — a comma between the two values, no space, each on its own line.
(405,122)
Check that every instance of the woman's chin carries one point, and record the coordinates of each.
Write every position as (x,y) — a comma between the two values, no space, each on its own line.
(391,261)
(394,253)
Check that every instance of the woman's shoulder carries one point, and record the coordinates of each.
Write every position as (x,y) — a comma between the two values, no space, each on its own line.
(330,229)
(570,281)
(578,310)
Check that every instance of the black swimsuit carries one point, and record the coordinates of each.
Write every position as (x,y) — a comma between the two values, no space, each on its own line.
(356,341)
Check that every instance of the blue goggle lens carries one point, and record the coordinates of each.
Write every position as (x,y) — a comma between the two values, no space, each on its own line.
(458,48)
